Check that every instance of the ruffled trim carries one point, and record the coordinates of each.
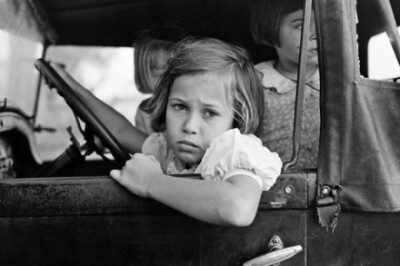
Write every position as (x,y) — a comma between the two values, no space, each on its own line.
(156,145)
(232,150)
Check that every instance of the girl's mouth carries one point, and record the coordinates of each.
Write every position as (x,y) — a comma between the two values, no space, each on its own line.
(187,143)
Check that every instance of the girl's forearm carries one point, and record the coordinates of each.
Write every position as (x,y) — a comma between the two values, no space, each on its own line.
(234,202)
(129,136)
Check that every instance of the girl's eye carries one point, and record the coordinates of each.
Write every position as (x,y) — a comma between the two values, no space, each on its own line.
(179,107)
(210,113)
(298,26)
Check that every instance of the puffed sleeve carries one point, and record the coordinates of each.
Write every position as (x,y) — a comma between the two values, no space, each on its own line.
(233,153)
(156,145)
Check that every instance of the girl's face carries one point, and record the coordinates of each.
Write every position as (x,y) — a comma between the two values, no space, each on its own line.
(198,110)
(158,67)
(290,38)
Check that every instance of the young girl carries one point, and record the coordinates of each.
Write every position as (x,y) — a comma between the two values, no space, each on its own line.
(278,23)
(208,104)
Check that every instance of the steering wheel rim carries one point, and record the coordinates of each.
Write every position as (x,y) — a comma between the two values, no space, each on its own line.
(84,112)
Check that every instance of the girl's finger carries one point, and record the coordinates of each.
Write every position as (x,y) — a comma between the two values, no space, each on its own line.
(115,174)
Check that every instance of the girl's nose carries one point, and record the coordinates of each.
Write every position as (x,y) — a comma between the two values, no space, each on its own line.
(191,123)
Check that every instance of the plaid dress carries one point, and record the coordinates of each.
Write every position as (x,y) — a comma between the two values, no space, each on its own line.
(276,129)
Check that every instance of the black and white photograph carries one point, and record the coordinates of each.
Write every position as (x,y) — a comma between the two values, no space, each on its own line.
(200,132)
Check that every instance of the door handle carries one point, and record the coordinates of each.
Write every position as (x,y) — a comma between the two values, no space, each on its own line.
(276,253)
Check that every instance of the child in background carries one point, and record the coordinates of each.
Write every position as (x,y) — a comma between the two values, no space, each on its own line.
(207,106)
(6,159)
(278,23)
(151,57)
(152,51)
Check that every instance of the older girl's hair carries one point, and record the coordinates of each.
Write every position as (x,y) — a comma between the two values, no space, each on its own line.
(151,55)
(195,56)
(152,49)
(266,18)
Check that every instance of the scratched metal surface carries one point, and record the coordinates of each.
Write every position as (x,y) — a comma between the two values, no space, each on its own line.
(144,239)
(44,221)
(360,238)
(100,195)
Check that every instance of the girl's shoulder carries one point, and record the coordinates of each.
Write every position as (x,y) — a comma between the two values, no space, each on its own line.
(233,151)
(143,121)
(266,66)
(272,80)
(144,105)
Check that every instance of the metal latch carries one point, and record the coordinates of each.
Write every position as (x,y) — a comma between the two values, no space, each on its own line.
(328,206)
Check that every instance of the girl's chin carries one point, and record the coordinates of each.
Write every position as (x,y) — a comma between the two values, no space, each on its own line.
(312,60)
(189,159)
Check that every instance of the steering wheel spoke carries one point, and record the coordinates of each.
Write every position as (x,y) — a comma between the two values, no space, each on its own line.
(66,86)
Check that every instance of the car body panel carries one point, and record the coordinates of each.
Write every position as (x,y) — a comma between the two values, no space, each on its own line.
(94,218)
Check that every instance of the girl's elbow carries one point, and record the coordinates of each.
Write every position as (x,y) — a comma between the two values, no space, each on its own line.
(241,221)
(239,214)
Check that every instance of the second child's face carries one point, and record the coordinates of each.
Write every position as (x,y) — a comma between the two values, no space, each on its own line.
(158,68)
(290,39)
(198,110)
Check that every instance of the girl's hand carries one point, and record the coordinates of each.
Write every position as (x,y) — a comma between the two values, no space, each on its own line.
(138,174)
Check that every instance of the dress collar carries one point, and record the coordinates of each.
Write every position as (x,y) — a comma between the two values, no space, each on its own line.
(279,82)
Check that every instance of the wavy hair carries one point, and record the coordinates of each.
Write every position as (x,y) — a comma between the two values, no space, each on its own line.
(201,55)
(152,49)
(150,56)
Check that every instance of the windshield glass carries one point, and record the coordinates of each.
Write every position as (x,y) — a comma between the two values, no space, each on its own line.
(382,62)
(20,45)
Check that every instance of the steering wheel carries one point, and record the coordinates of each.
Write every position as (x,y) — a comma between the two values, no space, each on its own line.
(64,85)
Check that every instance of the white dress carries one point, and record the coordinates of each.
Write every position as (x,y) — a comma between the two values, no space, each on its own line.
(229,154)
